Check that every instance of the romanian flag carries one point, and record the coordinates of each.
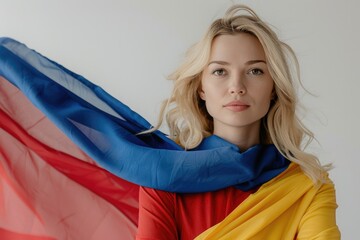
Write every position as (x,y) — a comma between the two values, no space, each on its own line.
(71,158)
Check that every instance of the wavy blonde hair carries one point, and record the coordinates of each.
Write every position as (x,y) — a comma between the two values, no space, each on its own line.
(188,119)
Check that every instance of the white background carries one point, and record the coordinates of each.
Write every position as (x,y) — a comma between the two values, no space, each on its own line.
(128,47)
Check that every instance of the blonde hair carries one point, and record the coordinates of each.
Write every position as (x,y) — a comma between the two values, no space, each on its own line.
(188,119)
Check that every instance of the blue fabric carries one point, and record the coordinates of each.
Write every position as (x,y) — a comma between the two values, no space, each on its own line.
(106,130)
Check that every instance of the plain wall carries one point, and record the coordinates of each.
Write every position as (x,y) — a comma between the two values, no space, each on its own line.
(128,47)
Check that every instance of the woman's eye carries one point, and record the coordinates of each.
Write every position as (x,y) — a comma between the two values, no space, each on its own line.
(256,71)
(219,72)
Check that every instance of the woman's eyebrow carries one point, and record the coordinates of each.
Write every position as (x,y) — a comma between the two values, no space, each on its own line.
(219,62)
(250,62)
(255,61)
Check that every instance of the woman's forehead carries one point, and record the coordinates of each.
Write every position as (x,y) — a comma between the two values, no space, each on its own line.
(236,47)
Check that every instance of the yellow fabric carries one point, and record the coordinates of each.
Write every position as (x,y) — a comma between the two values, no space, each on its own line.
(287,207)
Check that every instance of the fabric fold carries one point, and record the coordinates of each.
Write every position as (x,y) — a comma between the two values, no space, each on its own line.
(280,209)
(50,189)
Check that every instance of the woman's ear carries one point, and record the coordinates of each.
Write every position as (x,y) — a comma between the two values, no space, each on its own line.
(202,94)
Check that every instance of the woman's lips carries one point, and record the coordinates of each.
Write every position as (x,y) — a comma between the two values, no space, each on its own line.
(236,106)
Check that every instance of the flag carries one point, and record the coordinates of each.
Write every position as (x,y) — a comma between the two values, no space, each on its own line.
(72,158)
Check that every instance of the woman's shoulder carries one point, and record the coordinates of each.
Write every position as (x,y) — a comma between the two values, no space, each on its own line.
(296,176)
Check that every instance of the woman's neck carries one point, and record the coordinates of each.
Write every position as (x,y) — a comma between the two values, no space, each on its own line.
(244,138)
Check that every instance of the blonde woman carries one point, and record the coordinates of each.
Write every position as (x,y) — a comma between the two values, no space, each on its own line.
(235,88)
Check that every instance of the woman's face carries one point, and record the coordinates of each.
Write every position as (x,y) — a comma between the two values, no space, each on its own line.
(236,85)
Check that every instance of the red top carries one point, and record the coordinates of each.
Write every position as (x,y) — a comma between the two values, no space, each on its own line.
(165,215)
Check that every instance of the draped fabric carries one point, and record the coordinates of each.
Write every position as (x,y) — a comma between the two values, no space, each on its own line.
(71,159)
(164,215)
(287,207)
(50,189)
(106,130)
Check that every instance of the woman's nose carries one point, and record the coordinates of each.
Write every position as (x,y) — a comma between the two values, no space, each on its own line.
(240,91)
(237,87)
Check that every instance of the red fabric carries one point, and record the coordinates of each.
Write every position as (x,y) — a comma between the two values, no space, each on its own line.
(8,235)
(164,215)
(50,189)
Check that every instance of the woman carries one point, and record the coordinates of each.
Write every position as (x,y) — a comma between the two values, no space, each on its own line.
(235,87)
